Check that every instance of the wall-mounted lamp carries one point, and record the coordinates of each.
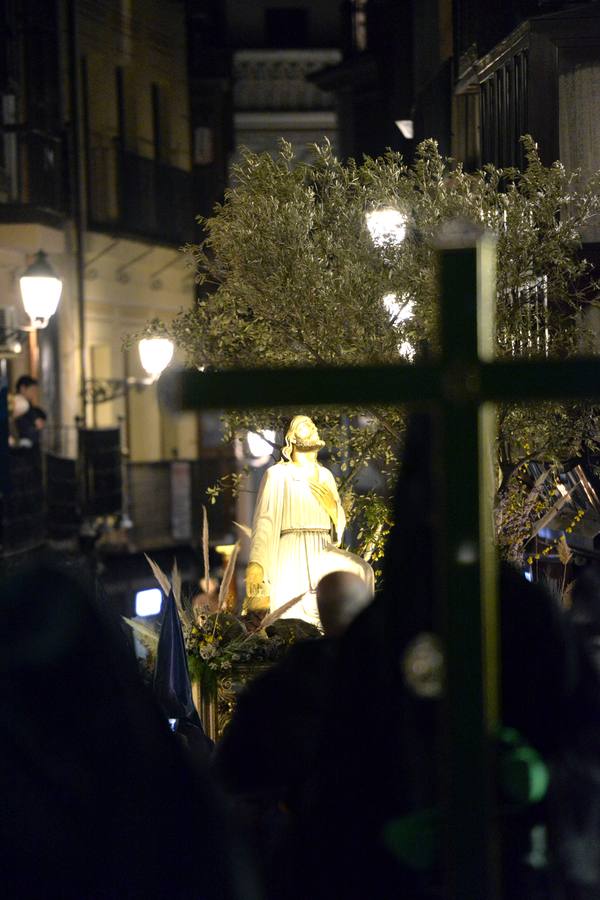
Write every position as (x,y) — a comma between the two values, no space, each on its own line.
(406,127)
(40,291)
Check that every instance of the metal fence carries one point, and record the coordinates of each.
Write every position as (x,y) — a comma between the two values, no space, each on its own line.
(52,497)
(32,170)
(139,195)
(22,508)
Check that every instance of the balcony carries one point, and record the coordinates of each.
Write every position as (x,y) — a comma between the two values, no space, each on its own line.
(137,196)
(32,176)
(22,507)
(277,80)
(275,97)
(54,499)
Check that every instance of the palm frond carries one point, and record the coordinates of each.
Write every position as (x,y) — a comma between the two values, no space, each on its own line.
(147,635)
(159,575)
(176,583)
(277,613)
(246,531)
(184,613)
(564,552)
(205,549)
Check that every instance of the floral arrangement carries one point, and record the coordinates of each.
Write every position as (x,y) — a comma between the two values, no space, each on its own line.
(219,643)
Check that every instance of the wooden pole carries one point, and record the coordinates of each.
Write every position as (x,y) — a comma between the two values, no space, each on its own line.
(34,353)
(468,602)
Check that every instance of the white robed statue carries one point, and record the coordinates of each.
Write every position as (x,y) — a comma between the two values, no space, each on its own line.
(298,526)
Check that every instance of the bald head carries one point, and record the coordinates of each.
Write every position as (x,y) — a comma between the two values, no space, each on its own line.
(340,598)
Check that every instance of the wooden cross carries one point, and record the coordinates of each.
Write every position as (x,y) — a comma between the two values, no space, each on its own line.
(464,383)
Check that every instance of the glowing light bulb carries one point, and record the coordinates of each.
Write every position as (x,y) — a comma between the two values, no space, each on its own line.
(399,309)
(40,291)
(386,226)
(258,443)
(406,350)
(155,354)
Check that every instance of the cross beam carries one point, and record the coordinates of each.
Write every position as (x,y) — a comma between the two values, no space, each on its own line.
(506,381)
(463,384)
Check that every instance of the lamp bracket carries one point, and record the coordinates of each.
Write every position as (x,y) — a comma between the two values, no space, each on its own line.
(104,390)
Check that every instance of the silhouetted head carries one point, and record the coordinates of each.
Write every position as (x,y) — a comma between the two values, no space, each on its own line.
(82,740)
(340,598)
(27,387)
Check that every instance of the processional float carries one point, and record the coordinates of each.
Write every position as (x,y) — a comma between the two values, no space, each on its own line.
(463,384)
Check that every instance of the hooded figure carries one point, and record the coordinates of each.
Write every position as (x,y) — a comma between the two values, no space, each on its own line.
(98,800)
(378,757)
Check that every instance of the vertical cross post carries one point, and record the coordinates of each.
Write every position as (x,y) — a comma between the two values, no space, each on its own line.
(467,607)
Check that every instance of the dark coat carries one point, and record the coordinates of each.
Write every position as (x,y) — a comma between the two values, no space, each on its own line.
(269,747)
(97,799)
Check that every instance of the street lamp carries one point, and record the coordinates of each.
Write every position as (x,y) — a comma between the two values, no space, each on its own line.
(260,446)
(386,225)
(155,355)
(40,291)
(398,311)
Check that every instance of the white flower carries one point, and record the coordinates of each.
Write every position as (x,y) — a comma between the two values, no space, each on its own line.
(207,651)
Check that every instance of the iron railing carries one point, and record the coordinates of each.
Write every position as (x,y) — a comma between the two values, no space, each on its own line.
(32,170)
(139,196)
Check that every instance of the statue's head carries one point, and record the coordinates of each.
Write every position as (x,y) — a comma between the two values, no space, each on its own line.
(302,435)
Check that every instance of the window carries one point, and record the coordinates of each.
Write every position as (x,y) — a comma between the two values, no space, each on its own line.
(359,24)
(286,27)
(204,153)
(8,148)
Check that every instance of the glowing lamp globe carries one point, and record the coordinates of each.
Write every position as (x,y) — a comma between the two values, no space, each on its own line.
(40,290)
(398,311)
(260,443)
(386,226)
(155,355)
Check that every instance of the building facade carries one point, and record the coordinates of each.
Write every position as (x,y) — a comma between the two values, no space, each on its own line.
(96,171)
(473,76)
(251,68)
(373,81)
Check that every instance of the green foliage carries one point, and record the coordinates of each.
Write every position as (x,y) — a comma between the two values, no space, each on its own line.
(153,328)
(218,644)
(373,513)
(289,275)
(232,482)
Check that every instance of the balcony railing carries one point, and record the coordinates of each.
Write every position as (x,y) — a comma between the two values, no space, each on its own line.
(51,496)
(22,507)
(277,79)
(139,196)
(32,172)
